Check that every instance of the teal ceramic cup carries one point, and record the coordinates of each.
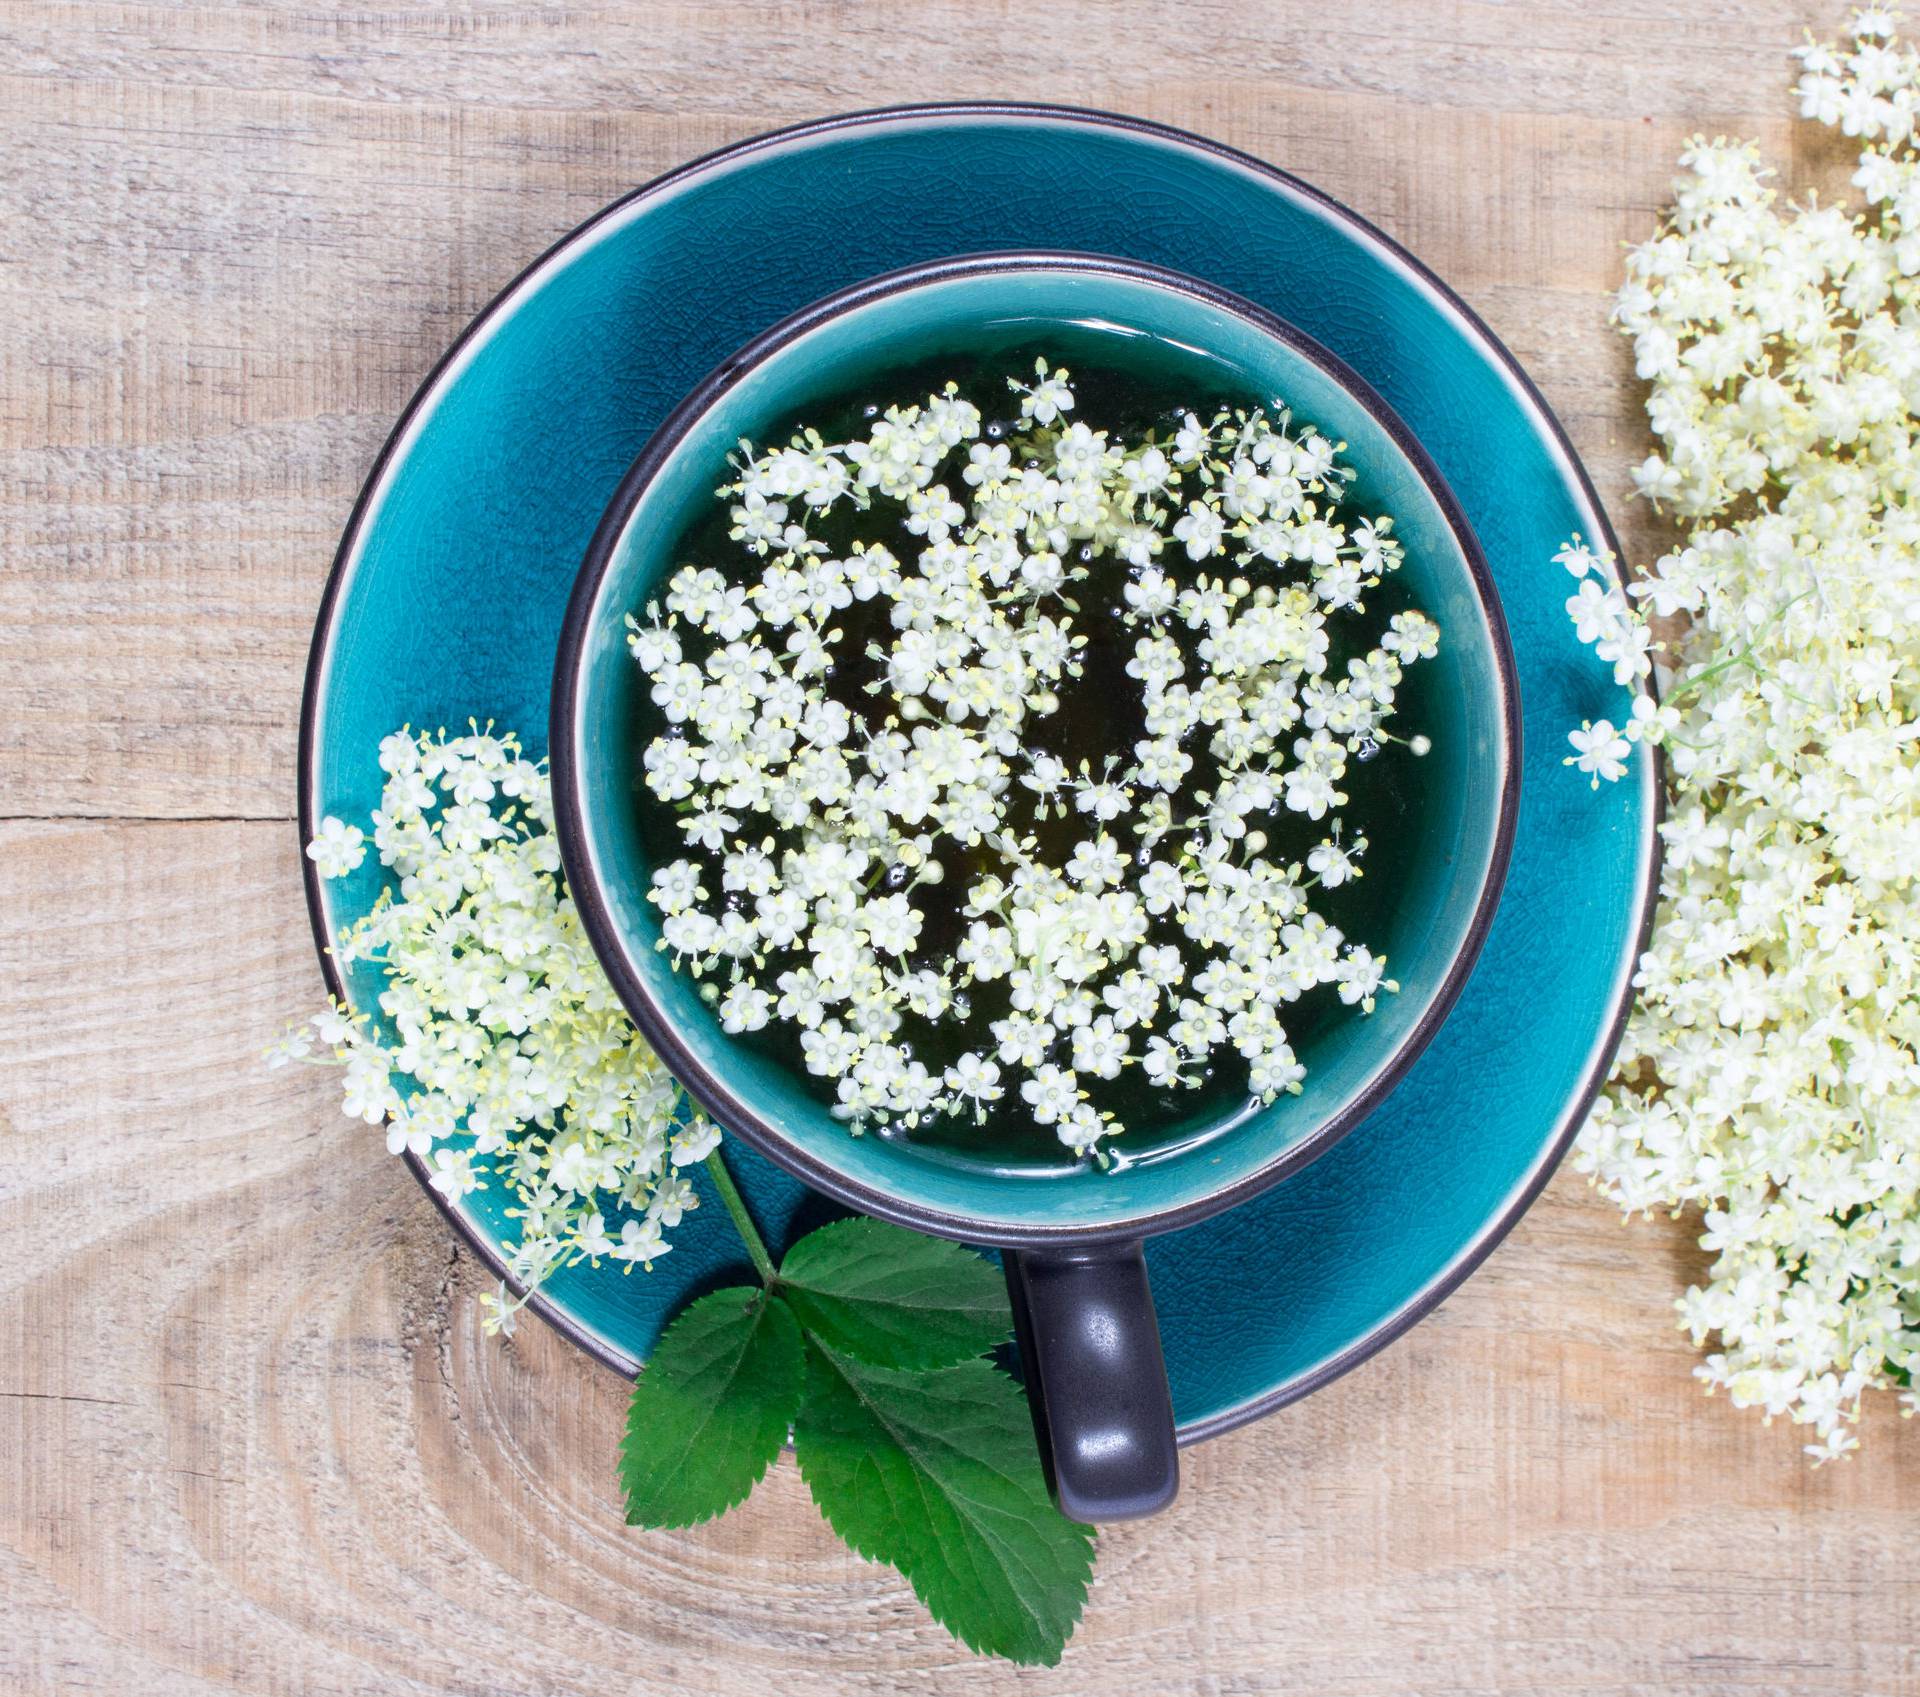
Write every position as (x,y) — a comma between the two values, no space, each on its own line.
(1071,1233)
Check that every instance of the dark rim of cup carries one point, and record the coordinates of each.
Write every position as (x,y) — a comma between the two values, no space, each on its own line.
(712,1092)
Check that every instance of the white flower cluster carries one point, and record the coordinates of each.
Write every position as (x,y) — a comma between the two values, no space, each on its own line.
(1157,933)
(1769,1077)
(502,1049)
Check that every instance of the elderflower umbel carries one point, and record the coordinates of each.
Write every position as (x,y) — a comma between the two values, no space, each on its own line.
(1768,1077)
(501,1050)
(829,785)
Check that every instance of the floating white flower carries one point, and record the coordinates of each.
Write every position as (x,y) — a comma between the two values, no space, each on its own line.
(827,786)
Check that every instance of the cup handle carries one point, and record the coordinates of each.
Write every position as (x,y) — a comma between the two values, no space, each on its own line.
(1097,1384)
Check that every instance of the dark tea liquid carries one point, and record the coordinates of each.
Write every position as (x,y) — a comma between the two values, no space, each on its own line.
(1128,390)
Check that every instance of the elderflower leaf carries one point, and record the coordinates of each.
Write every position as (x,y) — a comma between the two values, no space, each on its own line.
(935,1474)
(895,1298)
(712,1408)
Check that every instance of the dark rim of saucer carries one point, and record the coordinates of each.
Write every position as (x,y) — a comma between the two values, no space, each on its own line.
(1093,120)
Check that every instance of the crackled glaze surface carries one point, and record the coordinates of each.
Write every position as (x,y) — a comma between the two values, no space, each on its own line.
(453,582)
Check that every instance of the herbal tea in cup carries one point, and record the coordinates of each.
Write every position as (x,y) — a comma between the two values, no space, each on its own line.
(1023,741)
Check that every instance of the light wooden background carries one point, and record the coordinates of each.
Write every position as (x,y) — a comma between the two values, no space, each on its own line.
(251,1437)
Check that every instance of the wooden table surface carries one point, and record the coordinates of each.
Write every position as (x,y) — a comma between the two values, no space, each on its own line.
(251,1437)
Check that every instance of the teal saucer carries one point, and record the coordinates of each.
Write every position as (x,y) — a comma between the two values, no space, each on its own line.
(447,596)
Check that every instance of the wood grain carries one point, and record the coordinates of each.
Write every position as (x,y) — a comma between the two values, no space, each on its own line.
(251,1438)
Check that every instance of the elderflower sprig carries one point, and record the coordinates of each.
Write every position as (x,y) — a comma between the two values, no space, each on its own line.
(829,785)
(1769,1077)
(501,1052)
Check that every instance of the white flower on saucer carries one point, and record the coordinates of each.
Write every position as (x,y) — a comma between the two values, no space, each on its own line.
(337,848)
(502,1055)
(1599,749)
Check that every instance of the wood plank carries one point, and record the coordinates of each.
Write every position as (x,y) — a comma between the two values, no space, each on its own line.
(254,1439)
(257,230)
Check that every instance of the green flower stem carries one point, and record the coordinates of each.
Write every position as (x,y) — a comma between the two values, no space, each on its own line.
(1727,662)
(742,1220)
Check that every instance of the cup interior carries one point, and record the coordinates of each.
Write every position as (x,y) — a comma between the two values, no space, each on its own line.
(1439,836)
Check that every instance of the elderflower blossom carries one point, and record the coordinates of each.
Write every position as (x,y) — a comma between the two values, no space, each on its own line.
(1768,1078)
(890,834)
(500,1050)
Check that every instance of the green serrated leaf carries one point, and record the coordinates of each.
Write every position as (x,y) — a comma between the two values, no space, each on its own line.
(895,1298)
(712,1408)
(936,1474)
